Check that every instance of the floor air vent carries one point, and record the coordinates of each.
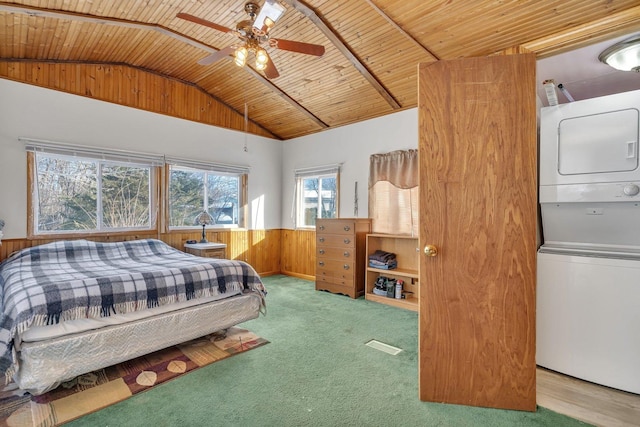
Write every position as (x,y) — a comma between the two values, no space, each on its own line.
(384,347)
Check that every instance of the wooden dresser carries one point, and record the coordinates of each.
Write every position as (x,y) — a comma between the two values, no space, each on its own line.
(341,255)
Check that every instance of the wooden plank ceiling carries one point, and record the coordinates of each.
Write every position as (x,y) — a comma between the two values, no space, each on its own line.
(372,47)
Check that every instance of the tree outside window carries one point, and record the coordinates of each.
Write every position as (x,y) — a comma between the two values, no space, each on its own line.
(77,194)
(191,191)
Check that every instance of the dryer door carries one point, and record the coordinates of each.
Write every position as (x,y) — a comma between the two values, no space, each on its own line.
(598,143)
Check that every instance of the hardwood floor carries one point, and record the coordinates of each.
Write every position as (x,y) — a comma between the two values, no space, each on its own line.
(585,401)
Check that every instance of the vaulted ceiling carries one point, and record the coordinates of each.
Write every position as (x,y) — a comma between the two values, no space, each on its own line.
(372,47)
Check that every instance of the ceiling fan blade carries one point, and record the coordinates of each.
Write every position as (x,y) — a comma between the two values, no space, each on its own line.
(204,22)
(271,72)
(216,56)
(299,47)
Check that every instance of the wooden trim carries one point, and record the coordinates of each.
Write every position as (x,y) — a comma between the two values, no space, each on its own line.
(299,275)
(610,26)
(338,193)
(341,46)
(514,50)
(30,190)
(164,189)
(244,194)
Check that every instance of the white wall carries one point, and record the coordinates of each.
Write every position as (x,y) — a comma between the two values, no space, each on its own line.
(351,145)
(34,112)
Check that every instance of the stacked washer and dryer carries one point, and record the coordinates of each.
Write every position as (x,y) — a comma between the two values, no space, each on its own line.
(588,286)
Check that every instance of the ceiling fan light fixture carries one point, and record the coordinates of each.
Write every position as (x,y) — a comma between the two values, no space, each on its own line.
(623,56)
(241,56)
(270,13)
(261,59)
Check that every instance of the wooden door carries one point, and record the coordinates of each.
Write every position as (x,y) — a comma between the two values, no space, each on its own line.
(477,119)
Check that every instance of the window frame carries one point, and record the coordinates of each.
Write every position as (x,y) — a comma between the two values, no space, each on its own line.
(212,168)
(33,198)
(331,171)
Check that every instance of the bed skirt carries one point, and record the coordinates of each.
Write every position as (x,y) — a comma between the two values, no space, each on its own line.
(46,364)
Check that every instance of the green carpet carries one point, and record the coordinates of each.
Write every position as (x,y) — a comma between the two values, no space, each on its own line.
(316,371)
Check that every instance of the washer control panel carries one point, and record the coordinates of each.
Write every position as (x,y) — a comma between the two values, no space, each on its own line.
(631,189)
(601,192)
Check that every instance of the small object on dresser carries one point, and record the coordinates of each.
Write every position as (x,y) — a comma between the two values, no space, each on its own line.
(191,242)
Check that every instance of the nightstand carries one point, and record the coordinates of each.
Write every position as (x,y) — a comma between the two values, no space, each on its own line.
(209,250)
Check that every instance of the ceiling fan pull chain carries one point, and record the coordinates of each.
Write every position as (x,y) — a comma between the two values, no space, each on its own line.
(246,125)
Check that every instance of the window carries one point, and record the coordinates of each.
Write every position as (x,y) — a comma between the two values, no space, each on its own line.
(194,187)
(316,194)
(83,190)
(393,192)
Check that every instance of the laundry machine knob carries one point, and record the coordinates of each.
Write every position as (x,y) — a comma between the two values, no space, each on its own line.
(631,189)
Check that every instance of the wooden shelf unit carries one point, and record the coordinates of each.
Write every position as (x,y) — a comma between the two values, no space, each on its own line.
(407,253)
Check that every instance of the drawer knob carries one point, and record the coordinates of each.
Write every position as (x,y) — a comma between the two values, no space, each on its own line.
(321,263)
(346,266)
(321,251)
(346,253)
(321,227)
(347,228)
(321,239)
(347,241)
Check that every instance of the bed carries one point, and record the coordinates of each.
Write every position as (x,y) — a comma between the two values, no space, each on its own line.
(72,307)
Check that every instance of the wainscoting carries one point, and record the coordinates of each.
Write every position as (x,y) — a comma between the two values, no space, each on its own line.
(298,257)
(270,252)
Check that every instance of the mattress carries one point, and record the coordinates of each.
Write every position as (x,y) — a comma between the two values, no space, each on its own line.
(40,333)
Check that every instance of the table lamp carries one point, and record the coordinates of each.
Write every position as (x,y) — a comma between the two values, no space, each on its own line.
(204,219)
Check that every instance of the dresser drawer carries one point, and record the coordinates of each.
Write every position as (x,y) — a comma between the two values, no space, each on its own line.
(337,265)
(345,253)
(332,276)
(345,241)
(336,226)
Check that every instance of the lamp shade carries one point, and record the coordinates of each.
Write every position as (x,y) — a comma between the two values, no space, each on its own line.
(203,218)
(624,56)
(241,56)
(261,59)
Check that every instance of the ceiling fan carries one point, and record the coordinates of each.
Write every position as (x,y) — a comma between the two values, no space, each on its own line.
(253,33)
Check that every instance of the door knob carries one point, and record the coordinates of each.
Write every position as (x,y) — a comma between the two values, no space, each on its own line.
(430,250)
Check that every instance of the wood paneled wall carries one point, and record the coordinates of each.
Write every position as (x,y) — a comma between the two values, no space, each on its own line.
(299,253)
(270,252)
(132,87)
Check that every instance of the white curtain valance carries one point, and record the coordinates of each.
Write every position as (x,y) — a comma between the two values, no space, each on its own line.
(208,166)
(98,153)
(318,170)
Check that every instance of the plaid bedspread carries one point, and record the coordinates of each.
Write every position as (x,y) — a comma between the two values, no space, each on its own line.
(78,279)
